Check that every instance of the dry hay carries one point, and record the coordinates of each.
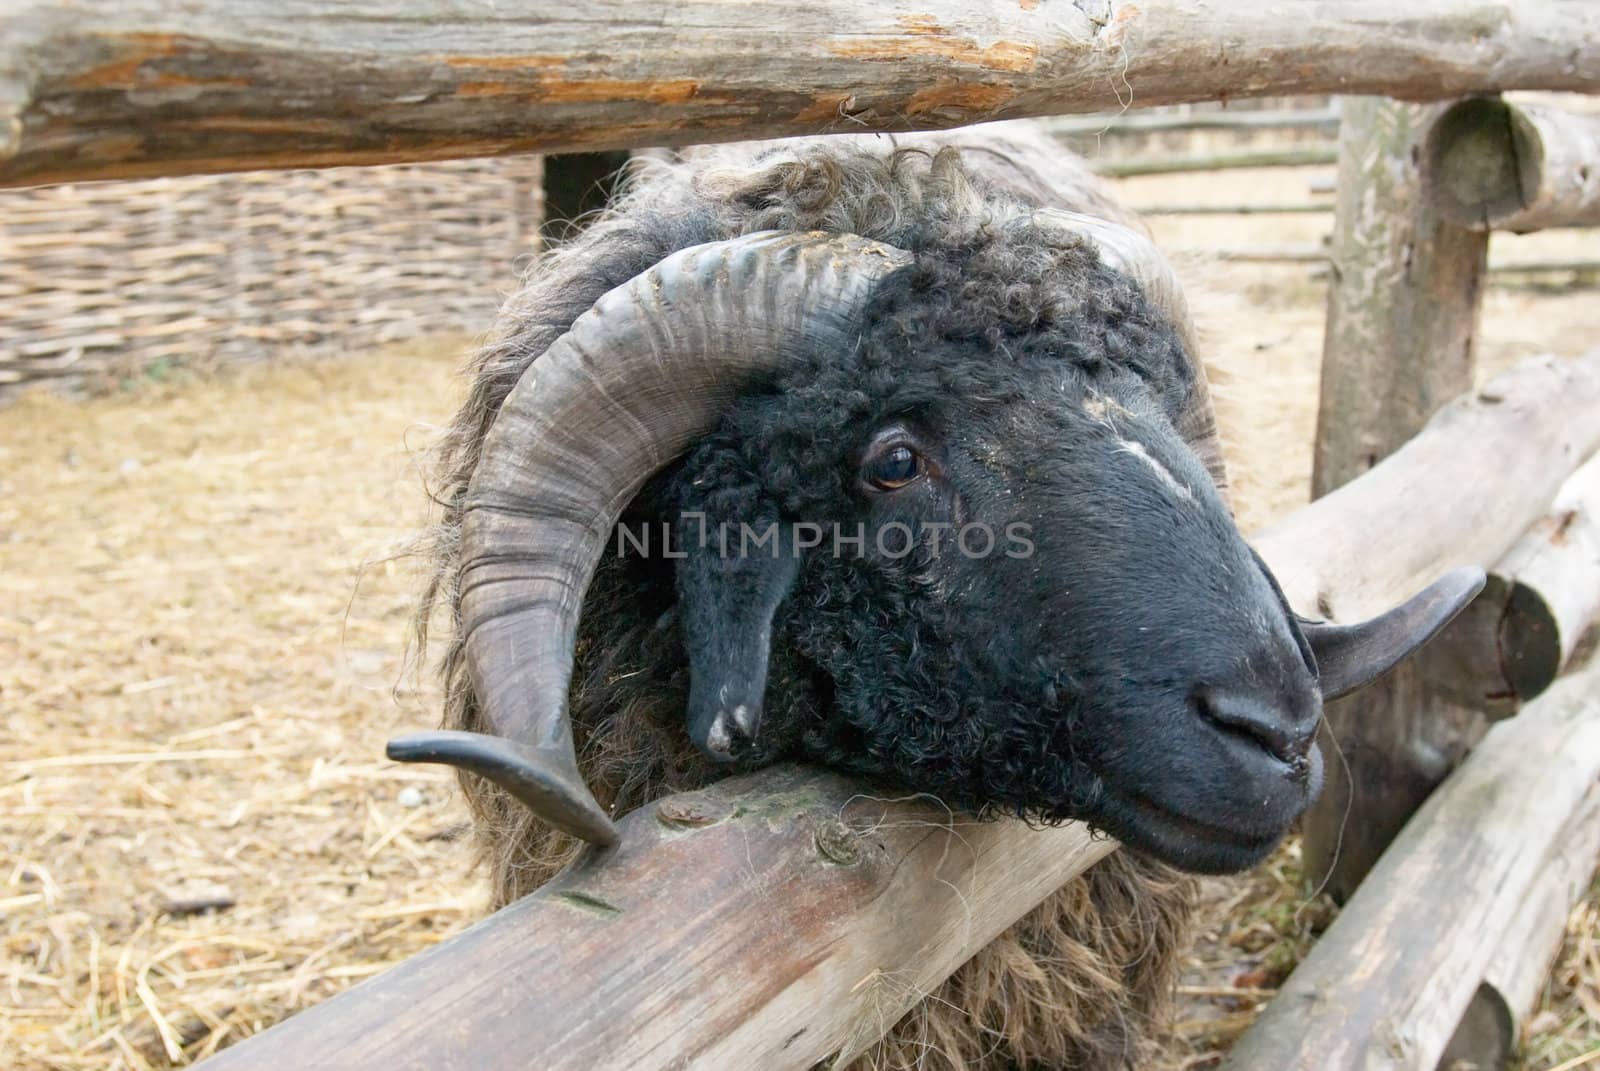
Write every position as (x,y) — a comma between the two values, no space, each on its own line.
(191,699)
(195,710)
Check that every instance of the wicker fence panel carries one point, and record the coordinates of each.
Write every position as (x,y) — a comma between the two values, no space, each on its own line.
(126,275)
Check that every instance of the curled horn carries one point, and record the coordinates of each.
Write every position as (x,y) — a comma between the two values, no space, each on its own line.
(1126,250)
(634,382)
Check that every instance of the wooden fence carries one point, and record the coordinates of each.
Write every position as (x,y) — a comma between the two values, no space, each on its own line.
(578,974)
(140,88)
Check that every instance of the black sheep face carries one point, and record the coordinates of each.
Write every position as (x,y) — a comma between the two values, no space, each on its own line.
(1024,597)
(984,565)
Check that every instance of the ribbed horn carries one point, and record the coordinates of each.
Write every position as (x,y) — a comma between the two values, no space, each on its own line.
(1136,256)
(636,380)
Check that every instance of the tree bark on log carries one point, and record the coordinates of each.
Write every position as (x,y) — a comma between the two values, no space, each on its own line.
(774,920)
(1387,984)
(1402,310)
(1493,165)
(100,90)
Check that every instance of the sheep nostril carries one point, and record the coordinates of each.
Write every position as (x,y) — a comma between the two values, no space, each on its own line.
(732,732)
(1261,721)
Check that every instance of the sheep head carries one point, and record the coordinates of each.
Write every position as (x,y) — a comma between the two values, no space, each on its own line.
(981,528)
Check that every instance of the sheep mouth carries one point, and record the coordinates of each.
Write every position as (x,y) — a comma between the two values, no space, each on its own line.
(1189,843)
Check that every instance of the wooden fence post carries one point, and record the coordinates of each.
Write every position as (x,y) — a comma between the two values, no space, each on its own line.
(1402,309)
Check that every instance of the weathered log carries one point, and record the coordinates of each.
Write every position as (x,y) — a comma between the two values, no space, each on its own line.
(1414,727)
(774,920)
(1286,253)
(1555,264)
(767,921)
(1215,161)
(1404,303)
(1402,311)
(1540,600)
(1387,984)
(1491,1029)
(1311,253)
(144,87)
(1493,165)
(1444,499)
(1177,122)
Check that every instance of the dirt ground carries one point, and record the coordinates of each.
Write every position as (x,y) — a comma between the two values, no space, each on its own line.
(201,655)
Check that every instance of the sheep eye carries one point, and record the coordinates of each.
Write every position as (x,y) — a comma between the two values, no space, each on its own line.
(894,468)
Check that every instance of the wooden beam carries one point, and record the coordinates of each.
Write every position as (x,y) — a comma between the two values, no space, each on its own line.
(777,919)
(1386,985)
(1088,126)
(1402,736)
(1539,602)
(1493,165)
(132,88)
(1490,1030)
(1285,253)
(1320,255)
(767,921)
(1442,499)
(1217,161)
(1402,311)
(1404,303)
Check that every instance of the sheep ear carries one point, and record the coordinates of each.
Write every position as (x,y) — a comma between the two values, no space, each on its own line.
(727,596)
(1352,656)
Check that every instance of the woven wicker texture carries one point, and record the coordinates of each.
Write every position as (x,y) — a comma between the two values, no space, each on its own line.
(115,276)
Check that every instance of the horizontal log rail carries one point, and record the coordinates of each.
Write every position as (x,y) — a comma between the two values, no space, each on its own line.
(778,919)
(1494,165)
(1217,161)
(1385,987)
(1442,500)
(1088,126)
(128,88)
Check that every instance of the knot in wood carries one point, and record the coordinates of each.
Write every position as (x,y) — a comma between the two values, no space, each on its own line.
(837,843)
(688,812)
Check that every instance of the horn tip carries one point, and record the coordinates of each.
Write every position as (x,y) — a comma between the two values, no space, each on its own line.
(539,780)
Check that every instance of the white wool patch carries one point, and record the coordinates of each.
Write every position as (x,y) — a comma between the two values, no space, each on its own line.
(1103,409)
(1137,450)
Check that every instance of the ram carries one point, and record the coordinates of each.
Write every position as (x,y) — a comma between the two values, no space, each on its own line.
(896,456)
